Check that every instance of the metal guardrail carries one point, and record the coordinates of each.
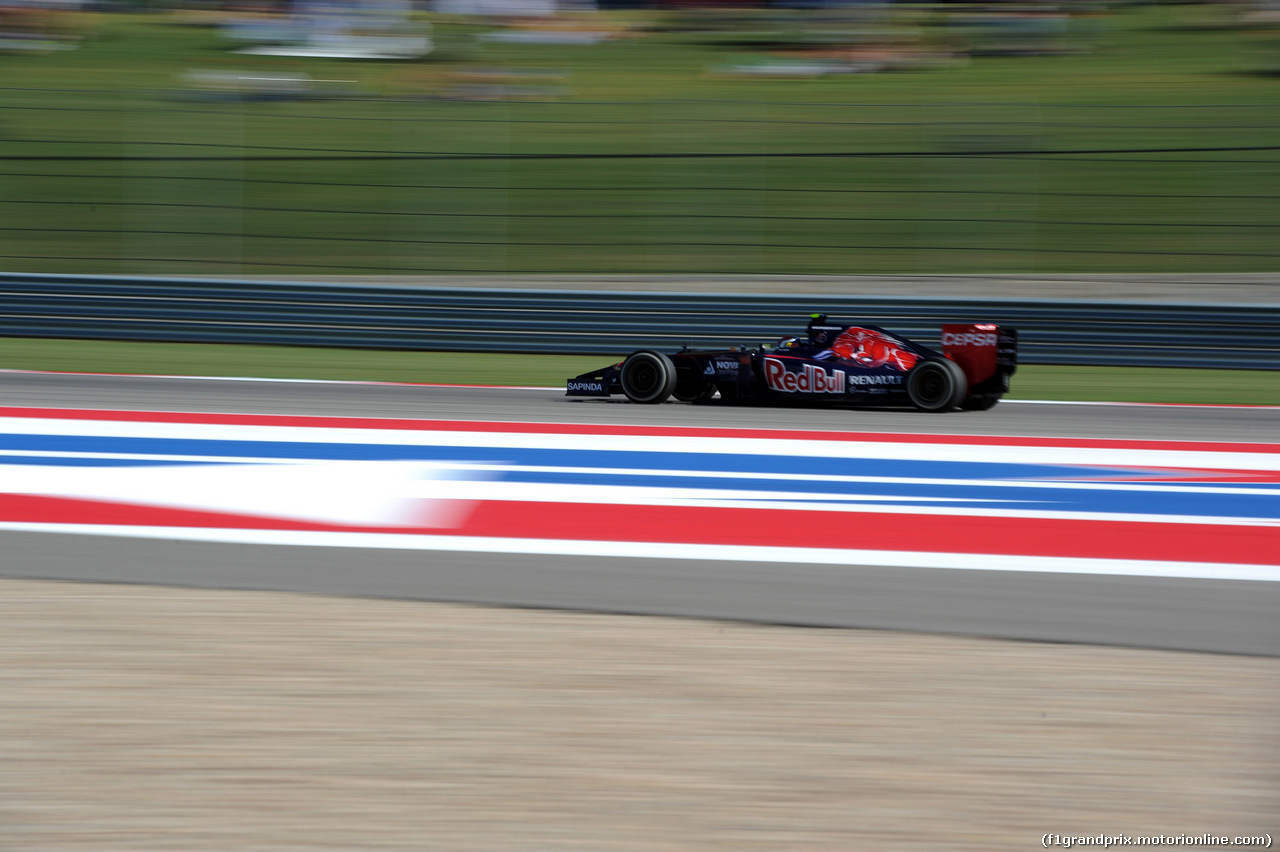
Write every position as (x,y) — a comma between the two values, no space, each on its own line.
(609,323)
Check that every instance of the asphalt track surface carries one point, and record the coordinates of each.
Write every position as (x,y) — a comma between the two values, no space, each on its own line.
(1201,615)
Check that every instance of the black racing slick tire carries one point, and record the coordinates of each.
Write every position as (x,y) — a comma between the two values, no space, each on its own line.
(936,385)
(648,377)
(962,383)
(981,402)
(695,393)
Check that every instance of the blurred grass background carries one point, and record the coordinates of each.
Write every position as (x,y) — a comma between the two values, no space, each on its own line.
(1140,138)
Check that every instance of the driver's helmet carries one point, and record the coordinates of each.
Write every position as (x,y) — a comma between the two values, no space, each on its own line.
(789,343)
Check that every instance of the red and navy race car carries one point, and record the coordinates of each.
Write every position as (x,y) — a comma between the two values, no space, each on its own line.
(835,364)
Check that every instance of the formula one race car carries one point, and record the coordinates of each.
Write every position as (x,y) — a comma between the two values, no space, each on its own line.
(840,365)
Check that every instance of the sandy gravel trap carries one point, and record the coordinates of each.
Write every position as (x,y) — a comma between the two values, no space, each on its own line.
(135,718)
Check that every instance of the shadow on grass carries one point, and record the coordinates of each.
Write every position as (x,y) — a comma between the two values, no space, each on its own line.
(1271,74)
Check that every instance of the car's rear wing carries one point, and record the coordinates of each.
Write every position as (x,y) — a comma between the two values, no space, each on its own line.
(986,352)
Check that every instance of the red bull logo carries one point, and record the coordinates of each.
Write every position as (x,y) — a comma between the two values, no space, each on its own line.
(810,380)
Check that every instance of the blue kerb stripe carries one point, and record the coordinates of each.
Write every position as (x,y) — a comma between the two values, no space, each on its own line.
(625,459)
(66,461)
(987,495)
(989,491)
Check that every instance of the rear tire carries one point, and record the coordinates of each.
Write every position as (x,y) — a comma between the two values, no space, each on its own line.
(981,402)
(962,383)
(647,377)
(936,385)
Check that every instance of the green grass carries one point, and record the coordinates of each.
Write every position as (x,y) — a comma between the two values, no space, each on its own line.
(1128,384)
(288,362)
(1147,384)
(1151,80)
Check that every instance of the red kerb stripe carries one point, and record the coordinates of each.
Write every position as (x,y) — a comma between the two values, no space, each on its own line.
(1249,545)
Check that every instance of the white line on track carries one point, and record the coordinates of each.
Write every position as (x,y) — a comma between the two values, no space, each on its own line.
(652,550)
(1135,404)
(281,380)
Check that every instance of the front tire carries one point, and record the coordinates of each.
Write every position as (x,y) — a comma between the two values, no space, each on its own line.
(937,385)
(695,393)
(648,377)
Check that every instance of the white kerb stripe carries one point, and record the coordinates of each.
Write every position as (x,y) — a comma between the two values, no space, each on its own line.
(659,550)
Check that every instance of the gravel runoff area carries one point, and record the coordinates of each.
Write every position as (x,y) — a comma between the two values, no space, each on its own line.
(136,718)
(1262,288)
